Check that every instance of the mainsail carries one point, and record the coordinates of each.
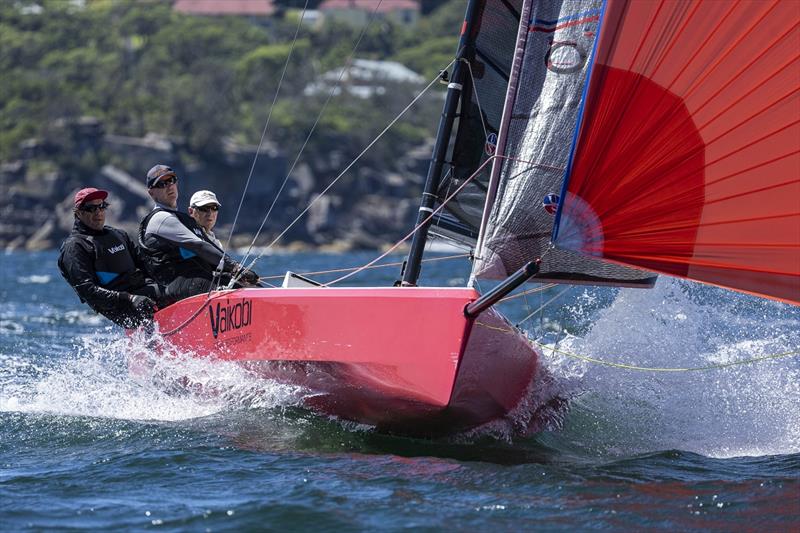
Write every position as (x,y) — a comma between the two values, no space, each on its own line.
(554,50)
(688,157)
(481,108)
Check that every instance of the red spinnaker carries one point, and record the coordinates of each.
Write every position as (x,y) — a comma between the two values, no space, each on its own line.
(688,156)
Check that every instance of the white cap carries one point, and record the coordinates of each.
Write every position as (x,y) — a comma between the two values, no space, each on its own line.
(201,198)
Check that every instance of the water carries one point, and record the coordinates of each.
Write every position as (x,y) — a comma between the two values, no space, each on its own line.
(84,445)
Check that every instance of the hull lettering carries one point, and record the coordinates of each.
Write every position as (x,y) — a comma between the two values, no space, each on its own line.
(230,317)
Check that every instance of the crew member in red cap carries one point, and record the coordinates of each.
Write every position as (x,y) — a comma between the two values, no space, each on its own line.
(178,253)
(103,265)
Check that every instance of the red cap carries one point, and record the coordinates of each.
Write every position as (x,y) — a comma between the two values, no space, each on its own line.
(90,193)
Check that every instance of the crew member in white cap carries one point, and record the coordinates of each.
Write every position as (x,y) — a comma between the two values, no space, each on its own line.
(204,208)
(176,250)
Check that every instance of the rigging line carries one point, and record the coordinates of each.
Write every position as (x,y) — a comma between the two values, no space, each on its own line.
(209,296)
(342,173)
(527,304)
(331,94)
(478,285)
(355,160)
(541,307)
(451,242)
(541,315)
(667,369)
(541,288)
(349,269)
(266,124)
(477,100)
(436,222)
(431,215)
(418,226)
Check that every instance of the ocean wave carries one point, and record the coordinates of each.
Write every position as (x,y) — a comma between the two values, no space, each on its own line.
(719,411)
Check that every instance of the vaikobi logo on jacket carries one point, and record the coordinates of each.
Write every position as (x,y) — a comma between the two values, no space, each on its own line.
(228,317)
(117,248)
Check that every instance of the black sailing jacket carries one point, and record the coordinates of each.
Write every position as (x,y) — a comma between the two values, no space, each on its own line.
(176,246)
(102,266)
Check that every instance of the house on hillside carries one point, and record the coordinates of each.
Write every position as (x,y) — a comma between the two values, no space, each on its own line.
(364,78)
(242,8)
(358,12)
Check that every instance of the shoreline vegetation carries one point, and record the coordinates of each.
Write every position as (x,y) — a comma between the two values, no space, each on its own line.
(96,92)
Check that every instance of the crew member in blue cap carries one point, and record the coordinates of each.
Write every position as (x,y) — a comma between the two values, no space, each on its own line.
(178,252)
(104,267)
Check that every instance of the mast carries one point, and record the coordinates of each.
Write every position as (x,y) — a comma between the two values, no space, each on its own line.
(466,51)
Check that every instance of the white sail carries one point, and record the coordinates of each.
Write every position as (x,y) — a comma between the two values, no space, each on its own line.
(540,119)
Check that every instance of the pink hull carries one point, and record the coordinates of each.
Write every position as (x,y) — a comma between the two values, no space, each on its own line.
(406,360)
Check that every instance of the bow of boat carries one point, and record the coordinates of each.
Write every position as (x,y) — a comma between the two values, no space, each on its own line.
(402,359)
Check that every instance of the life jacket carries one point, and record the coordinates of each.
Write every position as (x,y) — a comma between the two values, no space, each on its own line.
(113,263)
(164,260)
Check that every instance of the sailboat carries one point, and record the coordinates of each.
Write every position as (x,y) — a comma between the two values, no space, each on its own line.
(588,141)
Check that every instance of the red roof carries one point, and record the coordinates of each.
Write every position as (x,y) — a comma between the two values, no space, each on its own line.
(369,5)
(225,7)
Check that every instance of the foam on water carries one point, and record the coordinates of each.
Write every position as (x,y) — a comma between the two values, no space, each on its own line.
(742,410)
(37,279)
(95,381)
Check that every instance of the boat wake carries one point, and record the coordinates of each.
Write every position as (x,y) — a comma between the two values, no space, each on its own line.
(575,406)
(722,411)
(96,381)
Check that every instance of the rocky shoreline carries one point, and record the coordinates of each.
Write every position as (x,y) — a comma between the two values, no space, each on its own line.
(367,210)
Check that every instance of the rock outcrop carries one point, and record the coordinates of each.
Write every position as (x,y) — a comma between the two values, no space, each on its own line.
(370,209)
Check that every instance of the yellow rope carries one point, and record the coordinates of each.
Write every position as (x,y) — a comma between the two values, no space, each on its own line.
(554,350)
(659,369)
(529,291)
(487,326)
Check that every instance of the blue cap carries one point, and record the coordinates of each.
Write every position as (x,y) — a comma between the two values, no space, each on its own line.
(158,172)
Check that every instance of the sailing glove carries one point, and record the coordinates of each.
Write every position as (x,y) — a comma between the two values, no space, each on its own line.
(250,277)
(143,304)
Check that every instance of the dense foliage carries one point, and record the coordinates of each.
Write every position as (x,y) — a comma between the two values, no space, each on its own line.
(141,67)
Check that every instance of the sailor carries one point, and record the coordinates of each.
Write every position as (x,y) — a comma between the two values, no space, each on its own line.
(104,267)
(204,208)
(177,251)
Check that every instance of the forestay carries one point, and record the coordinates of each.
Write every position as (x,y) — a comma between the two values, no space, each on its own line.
(554,50)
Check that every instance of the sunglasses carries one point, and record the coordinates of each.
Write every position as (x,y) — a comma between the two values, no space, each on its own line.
(93,208)
(206,208)
(163,184)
